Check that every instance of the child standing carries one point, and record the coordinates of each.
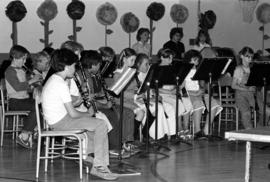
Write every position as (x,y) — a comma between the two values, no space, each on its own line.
(175,44)
(142,46)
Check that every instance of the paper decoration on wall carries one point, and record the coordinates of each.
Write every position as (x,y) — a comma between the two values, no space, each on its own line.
(75,11)
(248,7)
(179,14)
(263,13)
(47,11)
(263,16)
(15,11)
(155,11)
(130,23)
(106,15)
(207,20)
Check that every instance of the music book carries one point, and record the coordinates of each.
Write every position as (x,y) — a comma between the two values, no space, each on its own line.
(123,80)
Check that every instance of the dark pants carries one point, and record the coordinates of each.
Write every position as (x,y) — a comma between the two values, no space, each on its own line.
(128,126)
(25,105)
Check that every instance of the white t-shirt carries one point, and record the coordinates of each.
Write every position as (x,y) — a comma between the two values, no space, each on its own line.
(54,94)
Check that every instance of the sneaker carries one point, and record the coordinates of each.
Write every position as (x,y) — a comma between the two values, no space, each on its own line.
(115,154)
(103,172)
(23,143)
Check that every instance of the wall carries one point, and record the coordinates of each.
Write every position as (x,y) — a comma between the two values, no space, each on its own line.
(229,31)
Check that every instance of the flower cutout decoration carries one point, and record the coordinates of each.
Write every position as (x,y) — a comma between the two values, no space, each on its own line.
(129,22)
(47,10)
(155,11)
(179,13)
(263,13)
(208,20)
(106,14)
(16,11)
(75,10)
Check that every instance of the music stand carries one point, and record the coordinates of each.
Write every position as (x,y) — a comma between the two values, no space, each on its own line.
(122,168)
(260,77)
(180,71)
(145,87)
(211,69)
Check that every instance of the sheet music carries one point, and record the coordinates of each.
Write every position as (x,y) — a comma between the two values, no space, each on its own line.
(226,66)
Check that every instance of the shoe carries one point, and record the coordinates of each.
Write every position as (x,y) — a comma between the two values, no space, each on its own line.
(103,172)
(199,135)
(23,143)
(115,154)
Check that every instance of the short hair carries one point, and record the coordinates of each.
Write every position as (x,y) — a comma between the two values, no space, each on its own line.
(63,57)
(139,59)
(48,50)
(246,50)
(89,58)
(165,53)
(192,54)
(176,30)
(37,57)
(125,53)
(17,51)
(106,52)
(140,32)
(73,46)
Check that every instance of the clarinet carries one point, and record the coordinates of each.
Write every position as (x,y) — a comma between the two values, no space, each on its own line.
(85,95)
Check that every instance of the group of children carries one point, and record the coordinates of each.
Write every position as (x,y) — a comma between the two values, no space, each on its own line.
(63,95)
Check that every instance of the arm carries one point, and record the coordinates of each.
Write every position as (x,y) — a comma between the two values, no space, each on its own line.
(75,113)
(12,78)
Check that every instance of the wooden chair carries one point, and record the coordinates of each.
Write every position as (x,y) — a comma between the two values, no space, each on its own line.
(48,134)
(5,113)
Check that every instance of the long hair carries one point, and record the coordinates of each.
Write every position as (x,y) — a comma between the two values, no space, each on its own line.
(207,36)
(127,52)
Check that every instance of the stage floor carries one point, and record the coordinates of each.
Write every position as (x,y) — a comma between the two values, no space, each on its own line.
(219,161)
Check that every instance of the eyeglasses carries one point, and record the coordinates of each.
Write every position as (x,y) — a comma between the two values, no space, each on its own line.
(248,56)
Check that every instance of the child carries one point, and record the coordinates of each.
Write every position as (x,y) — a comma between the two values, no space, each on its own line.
(199,100)
(166,119)
(17,90)
(168,96)
(108,65)
(244,95)
(126,60)
(61,115)
(202,40)
(175,44)
(142,45)
(91,61)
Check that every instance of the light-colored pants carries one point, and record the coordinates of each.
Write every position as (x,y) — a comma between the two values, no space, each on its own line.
(97,135)
(244,101)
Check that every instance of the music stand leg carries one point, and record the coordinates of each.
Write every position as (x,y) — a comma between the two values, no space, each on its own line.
(120,167)
(210,136)
(150,148)
(177,140)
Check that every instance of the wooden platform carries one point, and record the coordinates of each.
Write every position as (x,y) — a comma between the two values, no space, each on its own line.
(219,161)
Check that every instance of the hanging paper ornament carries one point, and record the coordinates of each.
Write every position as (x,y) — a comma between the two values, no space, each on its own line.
(155,11)
(75,10)
(16,11)
(47,10)
(129,22)
(179,13)
(106,14)
(263,13)
(208,20)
